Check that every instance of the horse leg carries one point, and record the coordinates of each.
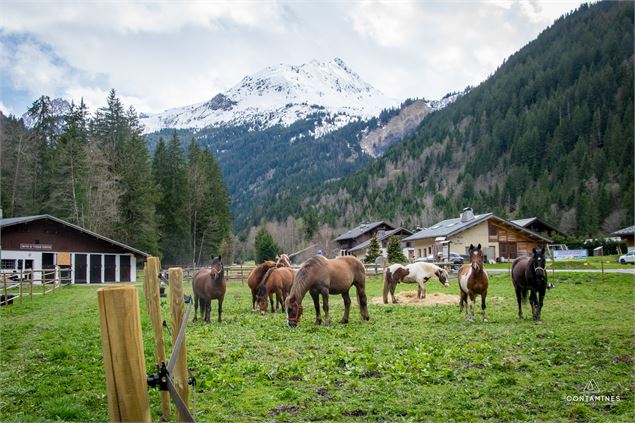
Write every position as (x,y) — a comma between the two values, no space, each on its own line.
(393,286)
(325,306)
(253,300)
(347,306)
(533,300)
(316,302)
(421,292)
(273,310)
(220,308)
(483,295)
(471,307)
(196,308)
(541,297)
(463,303)
(519,299)
(208,309)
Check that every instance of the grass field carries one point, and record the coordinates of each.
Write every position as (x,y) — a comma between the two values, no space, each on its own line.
(408,363)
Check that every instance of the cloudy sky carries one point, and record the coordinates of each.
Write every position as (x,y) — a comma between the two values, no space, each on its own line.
(159,55)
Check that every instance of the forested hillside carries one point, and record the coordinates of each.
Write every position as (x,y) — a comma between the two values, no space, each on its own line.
(549,134)
(96,172)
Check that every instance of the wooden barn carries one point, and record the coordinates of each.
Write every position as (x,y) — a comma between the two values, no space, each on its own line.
(44,242)
(360,234)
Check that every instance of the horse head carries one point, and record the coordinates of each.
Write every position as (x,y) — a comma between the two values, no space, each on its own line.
(476,257)
(261,299)
(216,268)
(538,264)
(443,276)
(294,311)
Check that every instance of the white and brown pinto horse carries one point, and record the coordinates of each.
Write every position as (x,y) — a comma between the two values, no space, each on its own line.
(321,276)
(418,273)
(473,281)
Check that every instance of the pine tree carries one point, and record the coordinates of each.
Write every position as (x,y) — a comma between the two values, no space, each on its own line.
(395,252)
(138,199)
(168,169)
(373,250)
(266,247)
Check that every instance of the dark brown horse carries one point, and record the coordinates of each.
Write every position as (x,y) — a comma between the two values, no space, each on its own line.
(277,281)
(255,278)
(473,281)
(321,276)
(209,284)
(529,274)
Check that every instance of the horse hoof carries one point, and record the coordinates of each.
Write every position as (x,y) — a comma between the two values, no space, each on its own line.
(484,320)
(539,322)
(343,321)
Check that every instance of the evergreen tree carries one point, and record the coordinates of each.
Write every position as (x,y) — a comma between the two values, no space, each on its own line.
(68,181)
(394,250)
(373,250)
(266,247)
(170,175)
(138,199)
(310,224)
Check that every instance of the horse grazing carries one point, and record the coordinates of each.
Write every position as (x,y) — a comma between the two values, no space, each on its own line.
(529,274)
(277,281)
(209,284)
(321,276)
(473,281)
(255,278)
(418,273)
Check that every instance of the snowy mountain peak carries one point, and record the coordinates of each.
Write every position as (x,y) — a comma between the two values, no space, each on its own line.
(283,94)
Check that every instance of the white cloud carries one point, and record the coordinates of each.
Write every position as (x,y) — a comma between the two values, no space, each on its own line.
(6,110)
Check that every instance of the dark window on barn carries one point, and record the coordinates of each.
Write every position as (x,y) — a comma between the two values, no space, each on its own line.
(7,264)
(492,230)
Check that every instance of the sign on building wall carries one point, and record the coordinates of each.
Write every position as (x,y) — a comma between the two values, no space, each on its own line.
(36,246)
(63,259)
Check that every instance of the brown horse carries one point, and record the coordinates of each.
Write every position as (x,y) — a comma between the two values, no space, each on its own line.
(255,278)
(209,284)
(277,281)
(529,274)
(473,281)
(321,276)
(283,261)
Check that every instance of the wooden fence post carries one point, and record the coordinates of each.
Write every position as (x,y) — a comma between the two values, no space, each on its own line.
(31,287)
(242,279)
(602,261)
(124,362)
(4,278)
(177,309)
(153,304)
(20,286)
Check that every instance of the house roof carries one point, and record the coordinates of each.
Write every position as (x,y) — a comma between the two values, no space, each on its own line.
(359,230)
(528,221)
(451,227)
(26,219)
(625,231)
(385,235)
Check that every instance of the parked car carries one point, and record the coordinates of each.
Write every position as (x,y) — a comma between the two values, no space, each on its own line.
(628,258)
(456,259)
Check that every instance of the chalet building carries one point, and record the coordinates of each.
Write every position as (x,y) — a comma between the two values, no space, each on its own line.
(627,234)
(360,234)
(383,237)
(538,226)
(497,236)
(44,242)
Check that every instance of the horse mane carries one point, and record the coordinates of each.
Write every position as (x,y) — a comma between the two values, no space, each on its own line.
(300,281)
(263,281)
(262,291)
(283,261)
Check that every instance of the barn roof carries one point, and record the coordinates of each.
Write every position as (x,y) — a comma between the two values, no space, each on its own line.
(451,227)
(625,231)
(359,230)
(10,221)
(528,221)
(380,238)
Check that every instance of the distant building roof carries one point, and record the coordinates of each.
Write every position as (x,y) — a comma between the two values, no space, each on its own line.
(10,221)
(626,231)
(451,227)
(359,230)
(380,238)
(530,220)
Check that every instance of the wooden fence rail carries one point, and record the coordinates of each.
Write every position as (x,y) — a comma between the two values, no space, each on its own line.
(13,284)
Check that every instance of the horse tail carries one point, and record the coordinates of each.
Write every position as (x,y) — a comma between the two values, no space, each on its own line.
(361,290)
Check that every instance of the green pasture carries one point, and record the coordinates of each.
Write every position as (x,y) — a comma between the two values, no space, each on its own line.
(589,263)
(408,363)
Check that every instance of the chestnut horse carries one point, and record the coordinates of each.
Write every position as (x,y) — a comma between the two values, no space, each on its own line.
(419,273)
(529,274)
(321,276)
(473,281)
(209,284)
(255,278)
(277,281)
